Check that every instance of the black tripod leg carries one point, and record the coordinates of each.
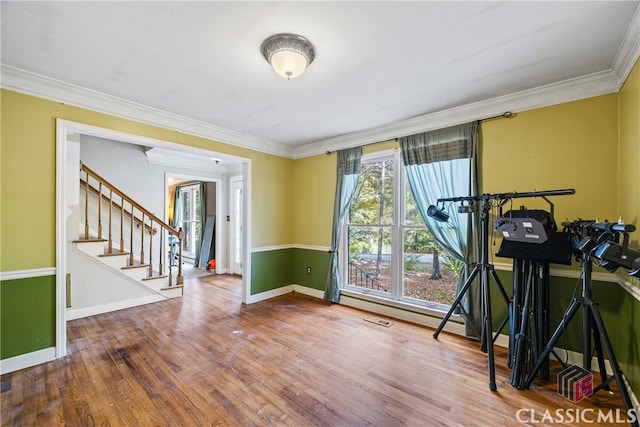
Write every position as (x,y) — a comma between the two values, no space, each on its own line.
(463,291)
(617,374)
(488,328)
(521,338)
(514,309)
(568,315)
(598,350)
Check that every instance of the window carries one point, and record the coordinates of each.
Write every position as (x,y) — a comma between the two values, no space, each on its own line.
(190,214)
(388,252)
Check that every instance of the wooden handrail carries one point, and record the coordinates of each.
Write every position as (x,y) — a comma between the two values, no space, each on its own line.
(118,206)
(144,213)
(138,206)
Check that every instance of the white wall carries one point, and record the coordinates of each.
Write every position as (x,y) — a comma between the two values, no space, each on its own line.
(126,166)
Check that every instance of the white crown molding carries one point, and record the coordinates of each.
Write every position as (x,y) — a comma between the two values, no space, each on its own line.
(596,84)
(629,51)
(29,83)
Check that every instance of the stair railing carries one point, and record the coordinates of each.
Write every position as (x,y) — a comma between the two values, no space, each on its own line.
(360,278)
(145,228)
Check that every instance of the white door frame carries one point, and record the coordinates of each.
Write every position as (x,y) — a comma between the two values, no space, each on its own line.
(67,174)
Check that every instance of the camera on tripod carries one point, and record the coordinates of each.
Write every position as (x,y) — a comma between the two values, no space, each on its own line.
(601,242)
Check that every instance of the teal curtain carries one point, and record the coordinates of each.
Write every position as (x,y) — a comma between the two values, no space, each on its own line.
(202,215)
(442,164)
(348,171)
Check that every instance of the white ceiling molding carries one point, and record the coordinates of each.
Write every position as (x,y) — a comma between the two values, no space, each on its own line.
(29,83)
(629,51)
(557,93)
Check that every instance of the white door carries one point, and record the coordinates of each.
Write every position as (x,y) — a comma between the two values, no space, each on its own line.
(236,226)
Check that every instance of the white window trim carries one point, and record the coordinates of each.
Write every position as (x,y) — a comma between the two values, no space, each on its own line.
(395,297)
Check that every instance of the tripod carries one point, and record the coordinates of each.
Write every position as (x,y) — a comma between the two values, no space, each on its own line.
(485,269)
(592,324)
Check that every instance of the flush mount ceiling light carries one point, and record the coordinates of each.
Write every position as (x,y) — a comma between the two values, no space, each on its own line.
(288,54)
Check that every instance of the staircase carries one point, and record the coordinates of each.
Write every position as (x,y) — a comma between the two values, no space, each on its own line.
(140,251)
(119,261)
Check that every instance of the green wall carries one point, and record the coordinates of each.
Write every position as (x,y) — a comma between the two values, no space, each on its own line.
(27,315)
(271,270)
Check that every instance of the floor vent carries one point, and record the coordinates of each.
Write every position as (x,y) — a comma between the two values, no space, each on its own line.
(380,322)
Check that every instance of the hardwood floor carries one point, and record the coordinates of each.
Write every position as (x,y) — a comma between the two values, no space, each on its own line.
(206,359)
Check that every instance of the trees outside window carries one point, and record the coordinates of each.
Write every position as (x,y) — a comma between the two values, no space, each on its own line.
(389,251)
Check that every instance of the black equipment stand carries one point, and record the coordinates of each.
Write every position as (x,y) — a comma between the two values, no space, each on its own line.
(529,329)
(485,269)
(592,324)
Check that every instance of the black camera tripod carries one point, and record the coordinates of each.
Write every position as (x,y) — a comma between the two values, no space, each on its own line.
(486,269)
(592,324)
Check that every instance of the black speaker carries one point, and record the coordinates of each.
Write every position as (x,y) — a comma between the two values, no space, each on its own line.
(556,249)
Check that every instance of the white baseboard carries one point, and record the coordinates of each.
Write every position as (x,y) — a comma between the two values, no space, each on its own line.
(27,360)
(316,293)
(423,319)
(114,306)
(269,294)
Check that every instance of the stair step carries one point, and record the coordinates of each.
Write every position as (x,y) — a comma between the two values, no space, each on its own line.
(156,276)
(174,291)
(89,240)
(117,253)
(135,264)
(168,288)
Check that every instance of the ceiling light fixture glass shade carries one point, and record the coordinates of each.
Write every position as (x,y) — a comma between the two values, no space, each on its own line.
(288,54)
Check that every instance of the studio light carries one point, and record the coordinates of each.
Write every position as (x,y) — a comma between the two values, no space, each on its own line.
(437,214)
(288,54)
(611,255)
(527,226)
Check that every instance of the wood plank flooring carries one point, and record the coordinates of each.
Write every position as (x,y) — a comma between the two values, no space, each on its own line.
(207,360)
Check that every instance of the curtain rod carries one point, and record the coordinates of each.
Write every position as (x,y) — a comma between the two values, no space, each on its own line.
(505,115)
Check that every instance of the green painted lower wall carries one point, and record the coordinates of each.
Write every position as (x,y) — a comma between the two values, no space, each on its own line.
(271,270)
(277,268)
(27,315)
(318,261)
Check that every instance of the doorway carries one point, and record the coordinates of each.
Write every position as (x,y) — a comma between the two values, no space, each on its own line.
(68,136)
(195,204)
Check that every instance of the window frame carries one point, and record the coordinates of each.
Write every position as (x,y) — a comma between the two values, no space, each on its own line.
(396,295)
(192,190)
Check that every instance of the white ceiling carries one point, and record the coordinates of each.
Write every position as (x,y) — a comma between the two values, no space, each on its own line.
(377,63)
